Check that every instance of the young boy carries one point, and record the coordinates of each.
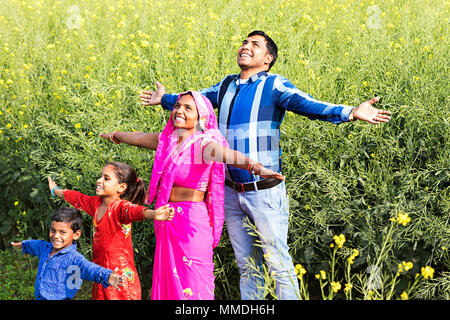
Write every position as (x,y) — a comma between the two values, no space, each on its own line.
(62,268)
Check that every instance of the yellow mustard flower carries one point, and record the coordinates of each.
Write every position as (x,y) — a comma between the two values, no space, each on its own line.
(404,296)
(403,218)
(339,240)
(335,286)
(351,259)
(427,272)
(407,265)
(300,271)
(348,287)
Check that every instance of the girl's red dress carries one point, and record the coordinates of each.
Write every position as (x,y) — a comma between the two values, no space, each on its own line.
(112,247)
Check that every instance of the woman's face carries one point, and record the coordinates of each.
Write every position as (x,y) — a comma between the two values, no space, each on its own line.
(185,114)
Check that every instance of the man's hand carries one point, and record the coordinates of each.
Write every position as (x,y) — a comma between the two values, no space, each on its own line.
(152,98)
(366,112)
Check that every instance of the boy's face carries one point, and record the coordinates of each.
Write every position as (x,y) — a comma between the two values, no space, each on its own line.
(61,235)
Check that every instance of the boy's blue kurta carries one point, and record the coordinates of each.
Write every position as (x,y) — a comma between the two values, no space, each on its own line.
(60,276)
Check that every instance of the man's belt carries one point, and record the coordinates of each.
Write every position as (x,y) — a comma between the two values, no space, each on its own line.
(252,186)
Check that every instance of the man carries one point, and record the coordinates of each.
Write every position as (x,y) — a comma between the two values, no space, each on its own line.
(251,106)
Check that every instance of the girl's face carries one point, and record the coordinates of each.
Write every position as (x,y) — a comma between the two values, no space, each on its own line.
(108,185)
(185,114)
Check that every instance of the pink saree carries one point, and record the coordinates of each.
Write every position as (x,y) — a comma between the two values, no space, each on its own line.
(183,266)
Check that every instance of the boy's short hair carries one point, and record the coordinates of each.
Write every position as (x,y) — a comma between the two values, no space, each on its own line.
(271,45)
(69,215)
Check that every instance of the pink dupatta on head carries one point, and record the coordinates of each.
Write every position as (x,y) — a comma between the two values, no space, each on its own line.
(163,173)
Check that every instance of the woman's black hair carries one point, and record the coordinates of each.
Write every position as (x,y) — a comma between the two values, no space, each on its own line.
(135,191)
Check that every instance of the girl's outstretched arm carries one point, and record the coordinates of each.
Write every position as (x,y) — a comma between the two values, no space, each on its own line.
(79,200)
(162,213)
(54,189)
(139,139)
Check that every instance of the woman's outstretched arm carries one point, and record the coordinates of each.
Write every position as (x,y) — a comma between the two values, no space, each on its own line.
(216,152)
(139,139)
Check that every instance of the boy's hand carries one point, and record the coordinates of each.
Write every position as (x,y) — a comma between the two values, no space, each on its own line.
(17,245)
(116,279)
(164,213)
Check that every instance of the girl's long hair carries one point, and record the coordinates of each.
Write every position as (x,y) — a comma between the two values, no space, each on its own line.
(135,191)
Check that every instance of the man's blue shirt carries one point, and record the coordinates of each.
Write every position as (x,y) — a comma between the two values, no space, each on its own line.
(60,276)
(250,115)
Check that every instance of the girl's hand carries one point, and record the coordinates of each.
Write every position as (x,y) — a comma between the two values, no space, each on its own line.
(164,213)
(52,185)
(17,245)
(116,279)
(260,170)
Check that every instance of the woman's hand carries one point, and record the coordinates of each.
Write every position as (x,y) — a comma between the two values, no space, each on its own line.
(262,171)
(110,136)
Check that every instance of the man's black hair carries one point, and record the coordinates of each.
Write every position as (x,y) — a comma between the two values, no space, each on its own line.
(271,45)
(69,215)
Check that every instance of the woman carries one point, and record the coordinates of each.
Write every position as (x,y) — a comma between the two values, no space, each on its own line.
(188,173)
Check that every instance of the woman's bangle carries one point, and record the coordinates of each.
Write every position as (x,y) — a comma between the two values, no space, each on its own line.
(111,137)
(53,191)
(250,167)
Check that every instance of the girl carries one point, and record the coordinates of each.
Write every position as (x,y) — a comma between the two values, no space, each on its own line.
(119,202)
(188,173)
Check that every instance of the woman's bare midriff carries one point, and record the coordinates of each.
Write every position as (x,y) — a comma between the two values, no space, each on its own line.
(180,194)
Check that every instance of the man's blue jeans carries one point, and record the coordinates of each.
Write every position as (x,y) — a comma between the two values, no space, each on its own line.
(268,211)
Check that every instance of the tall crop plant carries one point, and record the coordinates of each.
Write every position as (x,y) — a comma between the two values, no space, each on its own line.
(69,71)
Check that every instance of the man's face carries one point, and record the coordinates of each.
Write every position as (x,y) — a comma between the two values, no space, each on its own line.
(253,54)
